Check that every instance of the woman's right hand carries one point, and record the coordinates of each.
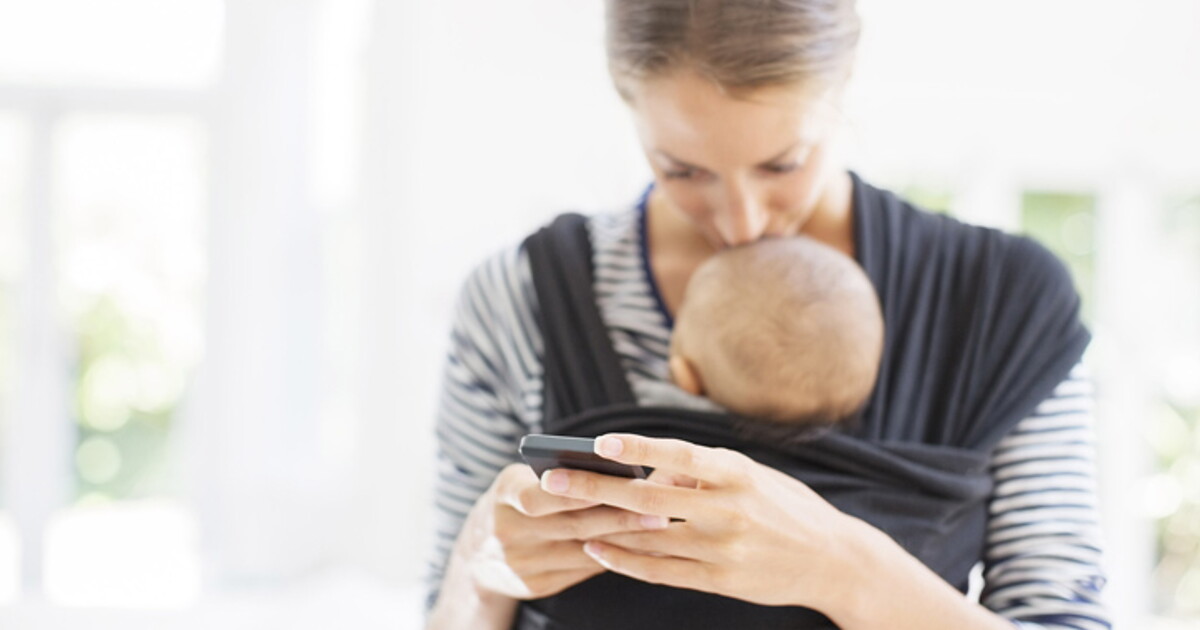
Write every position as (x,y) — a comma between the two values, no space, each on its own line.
(522,542)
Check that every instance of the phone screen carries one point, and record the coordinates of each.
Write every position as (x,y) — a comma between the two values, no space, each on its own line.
(546,452)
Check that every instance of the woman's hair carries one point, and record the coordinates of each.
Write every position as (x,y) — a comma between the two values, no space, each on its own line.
(740,45)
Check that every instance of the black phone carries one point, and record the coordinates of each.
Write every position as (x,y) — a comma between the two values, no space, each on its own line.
(545,452)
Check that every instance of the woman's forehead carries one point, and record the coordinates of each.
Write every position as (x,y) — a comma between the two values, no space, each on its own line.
(689,118)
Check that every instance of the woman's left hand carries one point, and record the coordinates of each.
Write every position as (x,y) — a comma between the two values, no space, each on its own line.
(748,531)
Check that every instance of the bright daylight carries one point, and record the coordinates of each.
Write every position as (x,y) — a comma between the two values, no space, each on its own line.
(894,305)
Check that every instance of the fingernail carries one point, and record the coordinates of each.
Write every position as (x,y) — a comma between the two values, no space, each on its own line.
(609,446)
(593,549)
(555,481)
(650,521)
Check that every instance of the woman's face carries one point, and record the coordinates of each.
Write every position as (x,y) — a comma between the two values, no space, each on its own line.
(739,169)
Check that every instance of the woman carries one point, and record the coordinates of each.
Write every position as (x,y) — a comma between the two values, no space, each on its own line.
(736,104)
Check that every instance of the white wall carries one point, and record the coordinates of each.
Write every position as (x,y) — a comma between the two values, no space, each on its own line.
(365,155)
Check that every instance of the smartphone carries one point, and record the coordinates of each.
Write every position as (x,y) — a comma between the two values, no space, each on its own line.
(545,452)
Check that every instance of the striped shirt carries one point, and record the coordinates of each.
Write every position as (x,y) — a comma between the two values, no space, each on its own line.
(1042,557)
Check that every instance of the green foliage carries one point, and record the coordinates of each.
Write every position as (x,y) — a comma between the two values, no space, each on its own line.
(929,198)
(123,405)
(1176,429)
(1065,222)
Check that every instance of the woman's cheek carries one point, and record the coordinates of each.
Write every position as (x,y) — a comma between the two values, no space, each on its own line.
(797,199)
(689,201)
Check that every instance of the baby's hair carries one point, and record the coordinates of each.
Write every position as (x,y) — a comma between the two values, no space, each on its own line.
(788,315)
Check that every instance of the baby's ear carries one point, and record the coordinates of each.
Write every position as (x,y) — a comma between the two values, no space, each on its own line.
(685,376)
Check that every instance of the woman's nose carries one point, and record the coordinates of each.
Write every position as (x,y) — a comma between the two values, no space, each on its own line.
(743,220)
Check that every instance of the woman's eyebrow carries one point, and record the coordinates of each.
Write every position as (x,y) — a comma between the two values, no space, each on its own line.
(781,154)
(776,158)
(677,160)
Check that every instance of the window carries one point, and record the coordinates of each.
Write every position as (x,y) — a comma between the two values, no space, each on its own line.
(103,158)
(119,43)
(1174,492)
(130,193)
(13,149)
(929,198)
(1064,222)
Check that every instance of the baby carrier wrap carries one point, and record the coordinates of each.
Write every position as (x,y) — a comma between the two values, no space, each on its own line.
(981,326)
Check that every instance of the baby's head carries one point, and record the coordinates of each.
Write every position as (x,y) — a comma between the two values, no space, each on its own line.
(785,329)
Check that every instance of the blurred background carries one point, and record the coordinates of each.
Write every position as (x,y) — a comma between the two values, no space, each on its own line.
(231,234)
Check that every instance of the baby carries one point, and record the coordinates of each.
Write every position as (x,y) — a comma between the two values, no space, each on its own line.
(786,330)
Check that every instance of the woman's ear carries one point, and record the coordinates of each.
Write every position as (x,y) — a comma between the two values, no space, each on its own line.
(685,376)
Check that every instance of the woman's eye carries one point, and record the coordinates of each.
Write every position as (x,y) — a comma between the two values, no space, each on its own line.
(780,169)
(687,173)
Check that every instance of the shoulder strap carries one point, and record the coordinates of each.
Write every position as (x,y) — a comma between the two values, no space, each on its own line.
(581,368)
(981,325)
